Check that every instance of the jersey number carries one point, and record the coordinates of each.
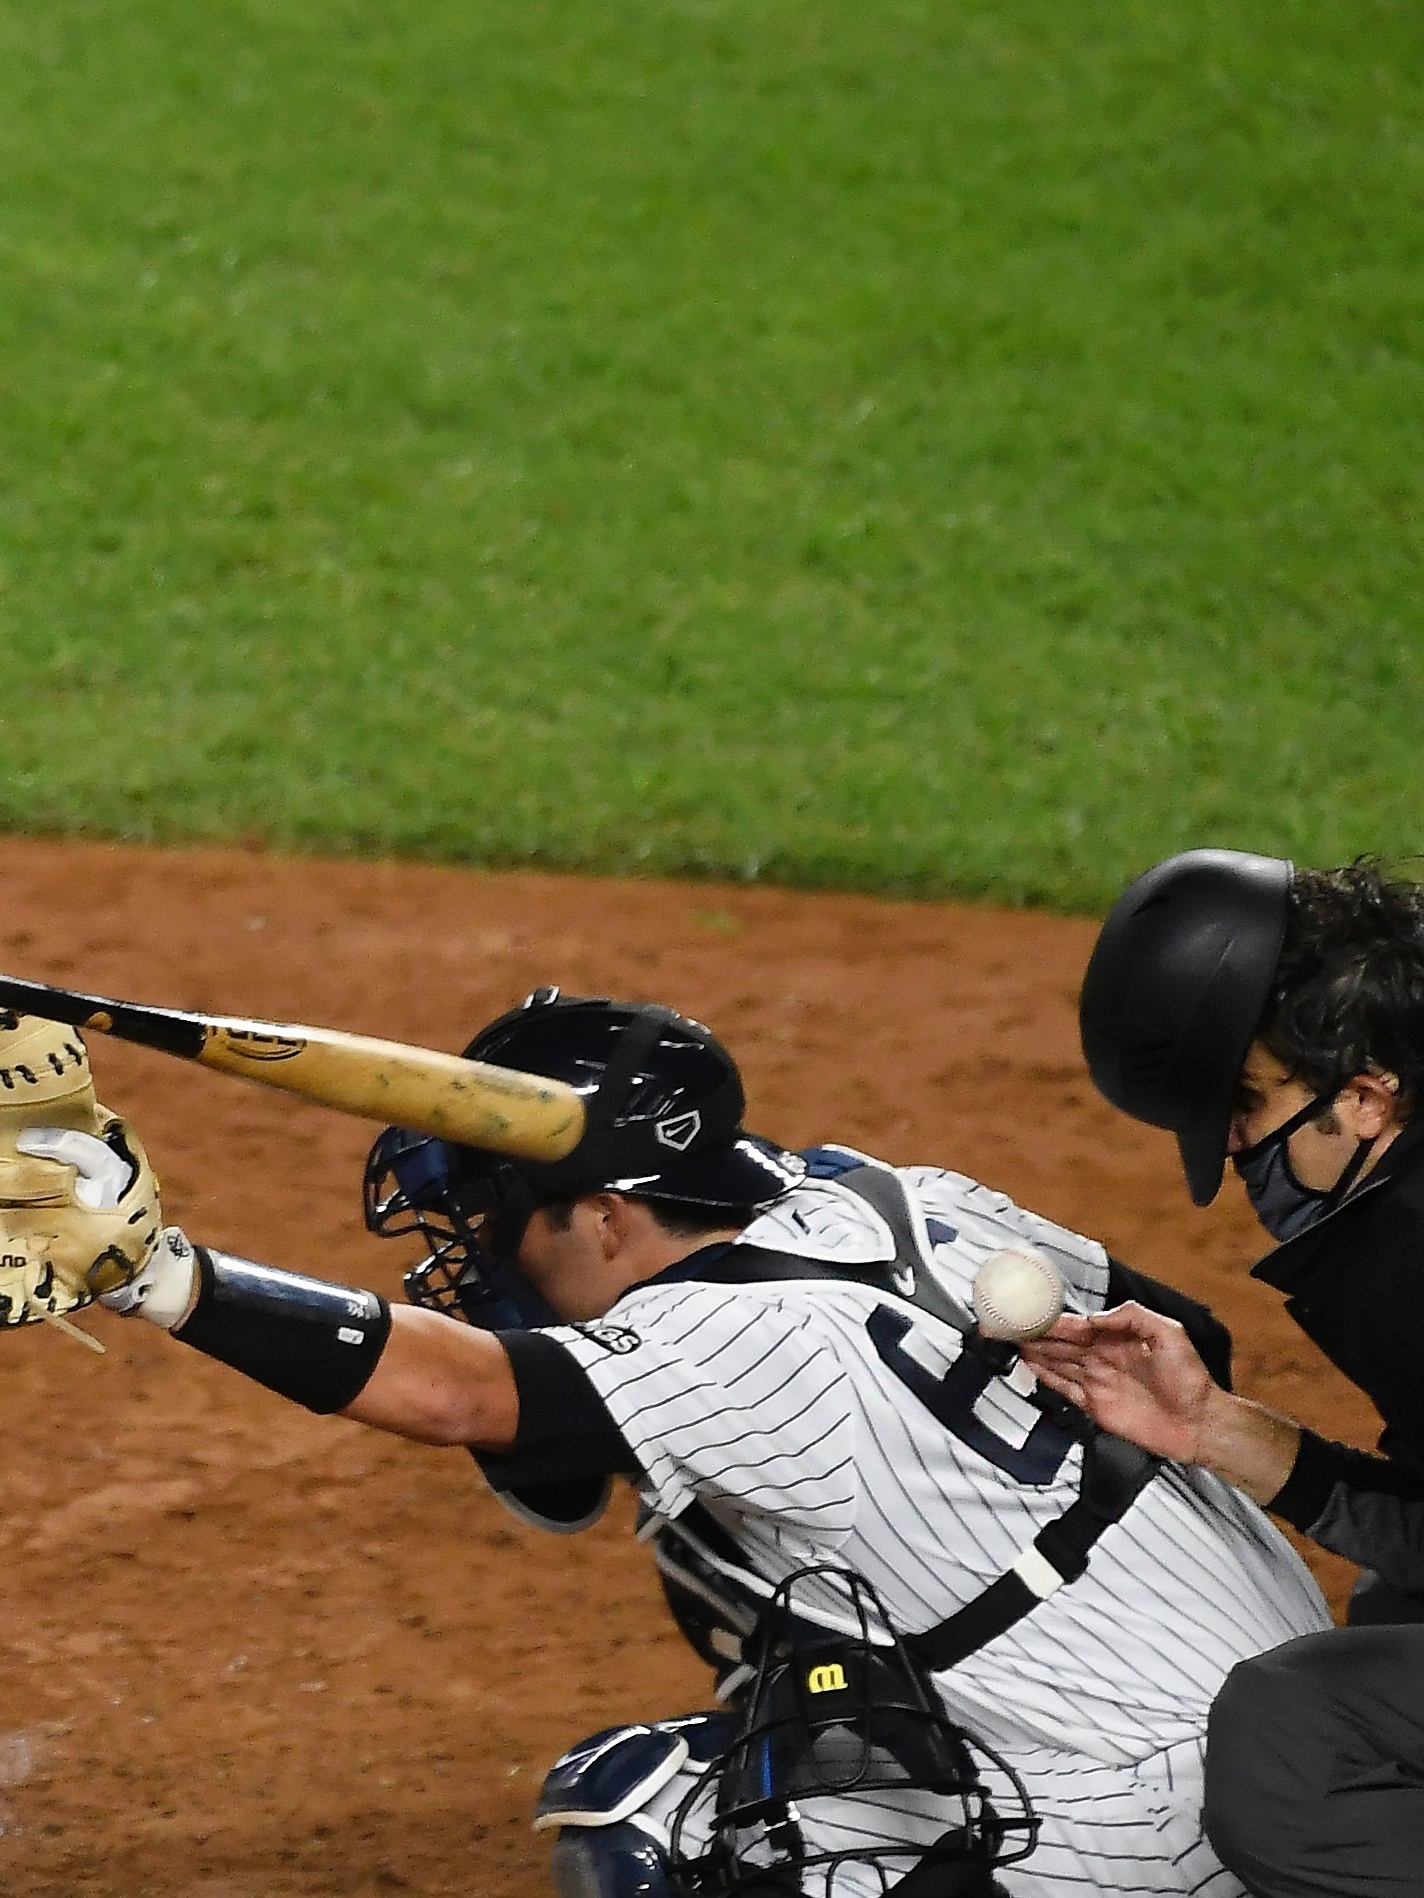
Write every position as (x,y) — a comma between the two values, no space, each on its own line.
(951,1399)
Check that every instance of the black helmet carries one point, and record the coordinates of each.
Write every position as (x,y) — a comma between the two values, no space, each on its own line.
(1175,988)
(663,1107)
(662,1098)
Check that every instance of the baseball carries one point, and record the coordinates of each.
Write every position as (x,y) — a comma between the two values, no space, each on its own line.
(1018,1294)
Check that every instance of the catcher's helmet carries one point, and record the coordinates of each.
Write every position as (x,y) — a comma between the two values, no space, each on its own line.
(663,1108)
(1175,988)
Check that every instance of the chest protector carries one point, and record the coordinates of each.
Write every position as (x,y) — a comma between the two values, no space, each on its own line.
(717,1600)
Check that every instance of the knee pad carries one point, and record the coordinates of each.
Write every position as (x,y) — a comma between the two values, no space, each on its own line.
(617,1861)
(594,1796)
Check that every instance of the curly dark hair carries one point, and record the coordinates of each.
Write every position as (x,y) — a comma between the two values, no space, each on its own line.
(1348,994)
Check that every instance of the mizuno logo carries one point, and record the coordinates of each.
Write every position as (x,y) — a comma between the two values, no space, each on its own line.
(679,1130)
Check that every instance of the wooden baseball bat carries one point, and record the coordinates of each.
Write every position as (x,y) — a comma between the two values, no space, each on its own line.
(390,1081)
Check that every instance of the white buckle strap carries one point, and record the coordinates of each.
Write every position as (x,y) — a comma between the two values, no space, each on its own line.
(1037,1574)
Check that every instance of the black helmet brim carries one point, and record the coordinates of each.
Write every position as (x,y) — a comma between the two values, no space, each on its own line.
(1202,1147)
(749,1173)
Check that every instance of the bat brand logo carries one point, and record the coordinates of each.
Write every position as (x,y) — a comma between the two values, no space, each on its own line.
(829,1678)
(254,1046)
(680,1130)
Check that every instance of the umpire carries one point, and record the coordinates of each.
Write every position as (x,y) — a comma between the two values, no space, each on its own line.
(1276,1016)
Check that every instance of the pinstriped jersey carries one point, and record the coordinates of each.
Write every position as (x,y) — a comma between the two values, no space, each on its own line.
(826,1420)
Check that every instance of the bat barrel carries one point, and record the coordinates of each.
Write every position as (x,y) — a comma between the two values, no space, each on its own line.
(469,1102)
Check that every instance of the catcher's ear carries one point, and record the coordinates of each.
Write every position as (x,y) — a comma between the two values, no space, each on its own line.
(617,1220)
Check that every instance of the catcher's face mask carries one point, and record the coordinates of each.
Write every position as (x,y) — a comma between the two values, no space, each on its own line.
(416,1184)
(838,1735)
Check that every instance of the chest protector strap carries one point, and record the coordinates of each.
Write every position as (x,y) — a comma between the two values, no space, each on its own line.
(1115,1472)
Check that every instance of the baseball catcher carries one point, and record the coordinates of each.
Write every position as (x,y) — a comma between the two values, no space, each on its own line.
(79,1209)
(963,1642)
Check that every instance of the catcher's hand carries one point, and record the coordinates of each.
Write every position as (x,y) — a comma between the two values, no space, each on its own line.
(79,1215)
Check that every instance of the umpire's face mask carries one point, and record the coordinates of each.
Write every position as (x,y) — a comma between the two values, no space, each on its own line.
(1283,1206)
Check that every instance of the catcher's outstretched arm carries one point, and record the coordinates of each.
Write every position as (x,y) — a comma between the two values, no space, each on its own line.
(440,1381)
(331,1347)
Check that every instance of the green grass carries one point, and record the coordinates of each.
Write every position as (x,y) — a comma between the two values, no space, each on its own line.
(967,445)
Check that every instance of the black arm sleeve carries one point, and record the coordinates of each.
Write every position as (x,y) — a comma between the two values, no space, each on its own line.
(558,1474)
(1370,1509)
(1209,1336)
(304,1338)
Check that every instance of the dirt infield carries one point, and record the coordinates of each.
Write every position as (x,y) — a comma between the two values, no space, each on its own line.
(254,1654)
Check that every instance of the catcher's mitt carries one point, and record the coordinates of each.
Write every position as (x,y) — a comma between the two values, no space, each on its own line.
(78,1201)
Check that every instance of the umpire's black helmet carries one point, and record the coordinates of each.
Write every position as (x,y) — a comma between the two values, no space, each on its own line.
(1174,991)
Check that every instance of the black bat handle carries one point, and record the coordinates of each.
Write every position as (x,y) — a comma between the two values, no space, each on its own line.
(165,1028)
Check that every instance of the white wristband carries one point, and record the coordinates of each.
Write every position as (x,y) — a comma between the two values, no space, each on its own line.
(163,1290)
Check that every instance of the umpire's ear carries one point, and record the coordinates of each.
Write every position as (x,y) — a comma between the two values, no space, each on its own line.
(1369,1105)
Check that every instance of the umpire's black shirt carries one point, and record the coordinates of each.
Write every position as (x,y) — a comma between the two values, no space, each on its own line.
(1355,1286)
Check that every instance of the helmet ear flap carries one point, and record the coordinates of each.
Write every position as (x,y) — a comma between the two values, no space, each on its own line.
(514,1202)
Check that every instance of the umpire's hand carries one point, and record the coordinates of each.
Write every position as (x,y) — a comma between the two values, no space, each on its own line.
(1137,1374)
(1134,1372)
